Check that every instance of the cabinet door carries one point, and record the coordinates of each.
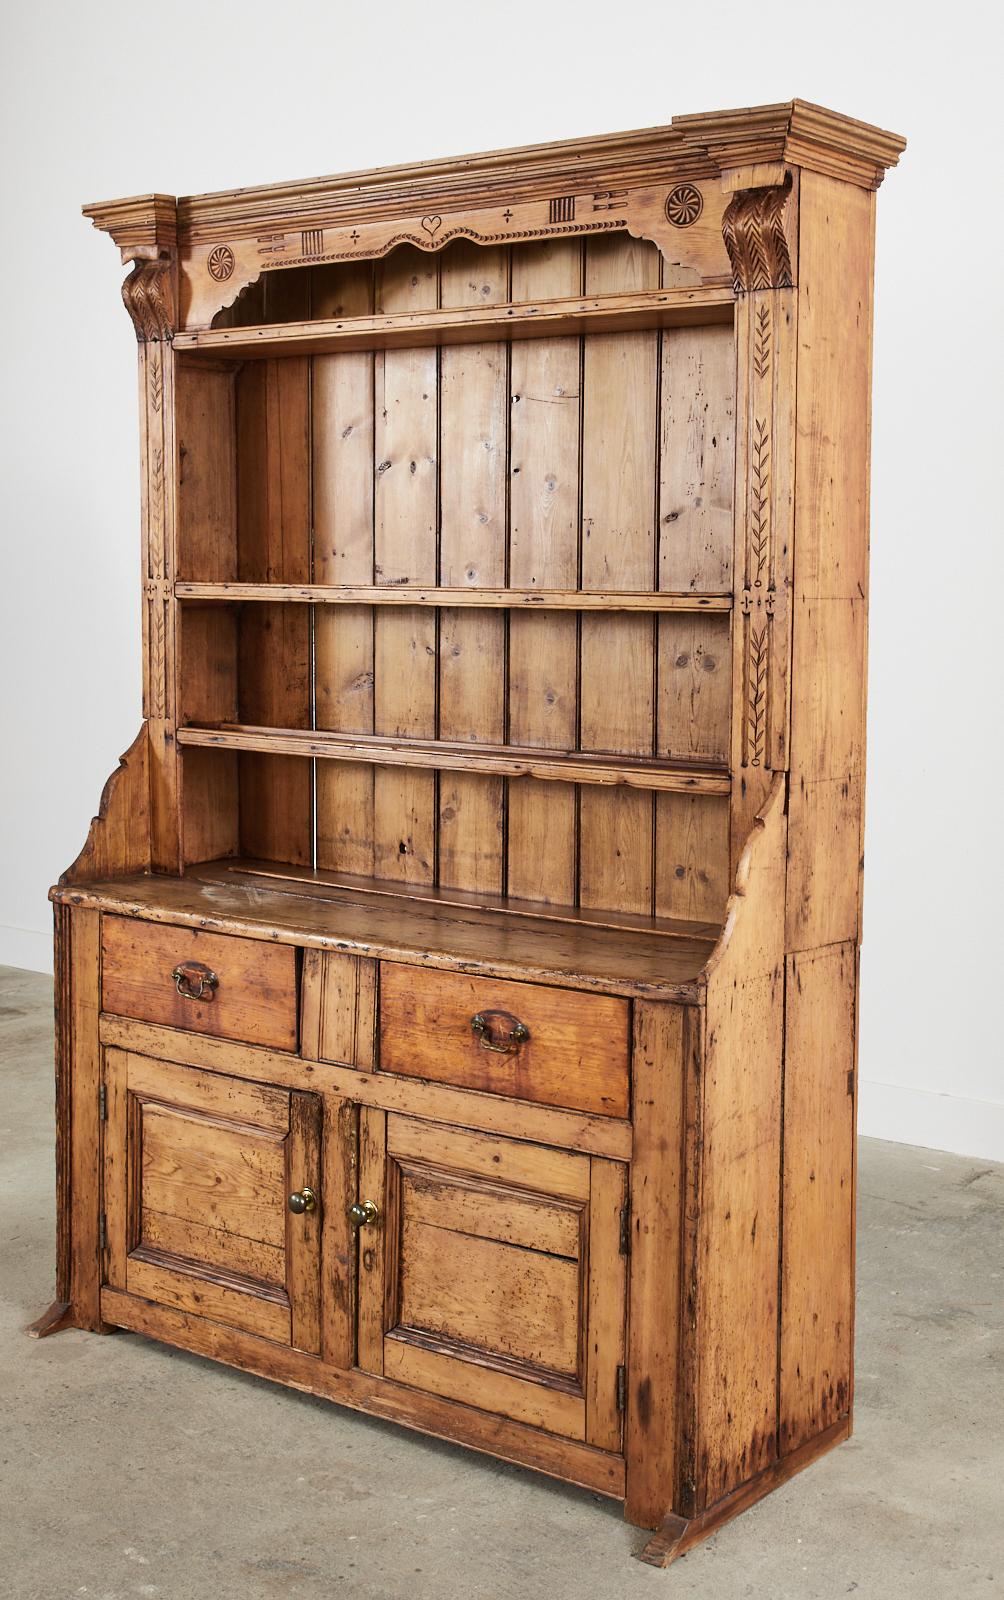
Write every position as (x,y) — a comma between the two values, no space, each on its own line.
(492,1273)
(199,1169)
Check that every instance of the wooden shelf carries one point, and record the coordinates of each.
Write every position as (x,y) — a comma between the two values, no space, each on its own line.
(350,888)
(507,761)
(610,313)
(413,595)
(217,896)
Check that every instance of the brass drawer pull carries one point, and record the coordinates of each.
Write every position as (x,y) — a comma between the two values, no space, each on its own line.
(303,1200)
(363,1213)
(190,972)
(519,1033)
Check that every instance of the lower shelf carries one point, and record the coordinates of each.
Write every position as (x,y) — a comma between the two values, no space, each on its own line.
(633,956)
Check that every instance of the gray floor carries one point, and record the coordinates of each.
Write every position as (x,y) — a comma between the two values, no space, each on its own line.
(127,1469)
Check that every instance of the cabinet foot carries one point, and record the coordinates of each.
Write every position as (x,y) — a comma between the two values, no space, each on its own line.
(668,1542)
(58,1317)
(676,1535)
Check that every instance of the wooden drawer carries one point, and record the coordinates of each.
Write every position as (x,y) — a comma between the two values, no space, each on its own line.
(254,996)
(576,1054)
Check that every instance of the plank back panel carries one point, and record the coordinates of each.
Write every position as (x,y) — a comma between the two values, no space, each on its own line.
(406,424)
(342,431)
(617,665)
(544,477)
(474,451)
(273,511)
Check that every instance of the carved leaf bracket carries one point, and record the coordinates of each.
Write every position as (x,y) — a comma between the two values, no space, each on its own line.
(149,297)
(754,228)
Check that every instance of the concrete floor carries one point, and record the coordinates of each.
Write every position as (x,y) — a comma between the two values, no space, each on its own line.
(127,1469)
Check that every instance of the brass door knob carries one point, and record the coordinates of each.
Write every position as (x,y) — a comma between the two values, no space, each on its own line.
(362,1213)
(302,1200)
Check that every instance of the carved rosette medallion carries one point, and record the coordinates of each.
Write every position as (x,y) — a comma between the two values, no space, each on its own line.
(221,263)
(684,205)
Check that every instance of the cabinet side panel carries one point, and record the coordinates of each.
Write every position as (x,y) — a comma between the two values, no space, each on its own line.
(817,1291)
(80,1058)
(831,562)
(738,1228)
(656,1214)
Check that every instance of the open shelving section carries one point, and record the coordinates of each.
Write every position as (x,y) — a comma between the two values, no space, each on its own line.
(454,588)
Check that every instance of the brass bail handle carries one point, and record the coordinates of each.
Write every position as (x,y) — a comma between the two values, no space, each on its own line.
(185,976)
(481,1026)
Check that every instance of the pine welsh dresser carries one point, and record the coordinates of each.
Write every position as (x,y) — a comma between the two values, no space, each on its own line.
(457,989)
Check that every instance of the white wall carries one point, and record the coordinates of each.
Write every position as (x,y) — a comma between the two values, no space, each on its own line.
(112,99)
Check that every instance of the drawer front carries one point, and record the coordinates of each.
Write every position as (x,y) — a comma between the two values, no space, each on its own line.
(253,997)
(576,1054)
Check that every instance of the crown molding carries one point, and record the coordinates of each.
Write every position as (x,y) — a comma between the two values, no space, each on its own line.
(795,132)
(144,226)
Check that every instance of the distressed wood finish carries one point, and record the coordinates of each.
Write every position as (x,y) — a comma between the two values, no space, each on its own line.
(575,1053)
(504,540)
(197,1170)
(248,987)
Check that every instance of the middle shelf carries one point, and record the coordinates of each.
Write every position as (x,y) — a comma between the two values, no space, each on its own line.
(509,761)
(421,595)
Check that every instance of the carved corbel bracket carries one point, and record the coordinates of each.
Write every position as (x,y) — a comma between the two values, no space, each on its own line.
(145,228)
(756,227)
(150,299)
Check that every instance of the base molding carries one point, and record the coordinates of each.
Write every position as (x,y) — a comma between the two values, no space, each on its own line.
(517,1442)
(676,1535)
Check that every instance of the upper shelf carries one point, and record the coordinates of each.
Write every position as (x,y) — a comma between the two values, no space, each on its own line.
(610,313)
(504,761)
(414,595)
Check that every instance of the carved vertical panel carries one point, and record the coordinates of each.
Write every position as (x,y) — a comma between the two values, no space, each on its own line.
(765,479)
(150,296)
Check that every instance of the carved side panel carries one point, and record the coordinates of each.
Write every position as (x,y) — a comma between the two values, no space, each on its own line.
(118,839)
(765,484)
(158,480)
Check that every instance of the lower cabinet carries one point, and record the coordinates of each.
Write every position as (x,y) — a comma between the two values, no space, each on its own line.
(488,1270)
(493,1274)
(199,1170)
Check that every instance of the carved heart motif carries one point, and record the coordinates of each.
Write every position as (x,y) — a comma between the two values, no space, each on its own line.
(432,225)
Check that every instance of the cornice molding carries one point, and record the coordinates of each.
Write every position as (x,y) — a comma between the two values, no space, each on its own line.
(705,145)
(670,185)
(144,226)
(794,132)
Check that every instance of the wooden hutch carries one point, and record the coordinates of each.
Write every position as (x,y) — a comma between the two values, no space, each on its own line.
(457,989)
